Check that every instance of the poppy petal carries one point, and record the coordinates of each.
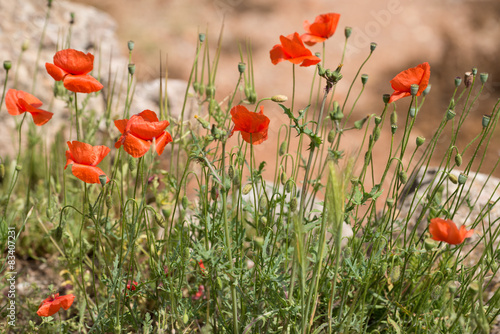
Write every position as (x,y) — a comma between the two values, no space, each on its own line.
(55,72)
(11,103)
(87,154)
(121,124)
(40,117)
(135,146)
(149,115)
(74,61)
(398,95)
(67,300)
(162,141)
(82,83)
(88,174)
(144,129)
(277,54)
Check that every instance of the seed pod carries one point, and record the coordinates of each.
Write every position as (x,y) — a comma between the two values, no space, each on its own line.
(347,32)
(462,178)
(420,141)
(390,202)
(241,67)
(393,129)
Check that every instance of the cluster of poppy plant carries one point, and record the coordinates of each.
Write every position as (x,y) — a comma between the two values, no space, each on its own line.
(138,133)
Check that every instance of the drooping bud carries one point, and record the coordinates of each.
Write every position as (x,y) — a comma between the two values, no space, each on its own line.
(403,177)
(293,204)
(2,172)
(453,178)
(159,220)
(283,147)
(230,171)
(25,45)
(109,201)
(185,202)
(279,98)
(246,189)
(331,136)
(214,193)
(458,159)
(359,123)
(263,203)
(376,133)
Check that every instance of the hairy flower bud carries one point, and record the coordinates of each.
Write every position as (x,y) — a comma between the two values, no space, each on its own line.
(246,189)
(279,98)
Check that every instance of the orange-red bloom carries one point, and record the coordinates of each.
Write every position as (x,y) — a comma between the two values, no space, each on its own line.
(292,49)
(73,67)
(53,304)
(85,159)
(402,82)
(18,102)
(447,231)
(139,131)
(324,27)
(253,126)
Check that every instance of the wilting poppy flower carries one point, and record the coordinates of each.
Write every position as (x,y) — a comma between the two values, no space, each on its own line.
(253,126)
(324,27)
(53,304)
(402,82)
(447,231)
(292,49)
(18,102)
(139,131)
(73,67)
(85,159)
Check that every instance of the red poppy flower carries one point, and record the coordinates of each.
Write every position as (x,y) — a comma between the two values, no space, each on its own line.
(53,304)
(292,49)
(200,293)
(131,285)
(402,82)
(253,126)
(73,67)
(447,231)
(139,131)
(85,159)
(18,102)
(202,266)
(324,27)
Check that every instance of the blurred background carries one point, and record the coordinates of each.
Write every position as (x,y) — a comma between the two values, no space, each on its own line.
(452,35)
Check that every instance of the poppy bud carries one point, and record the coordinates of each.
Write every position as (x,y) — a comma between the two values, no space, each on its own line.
(109,201)
(159,220)
(429,244)
(483,77)
(282,149)
(378,120)
(184,202)
(279,98)
(7,65)
(246,189)
(263,203)
(436,292)
(289,186)
(331,136)
(403,177)
(373,46)
(458,159)
(376,133)
(394,118)
(263,220)
(210,91)
(201,88)
(414,89)
(420,141)
(131,69)
(166,212)
(25,45)
(132,164)
(474,71)
(236,178)
(364,79)
(458,81)
(253,97)
(196,86)
(450,114)
(390,202)
(241,67)
(359,123)
(283,178)
(453,286)
(453,178)
(474,287)
(58,233)
(386,98)
(201,37)
(395,273)
(393,129)
(321,70)
(462,178)
(347,32)
(347,252)
(427,90)
(49,3)
(230,171)
(2,172)
(468,78)
(486,121)
(214,193)
(71,18)
(130,45)
(293,204)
